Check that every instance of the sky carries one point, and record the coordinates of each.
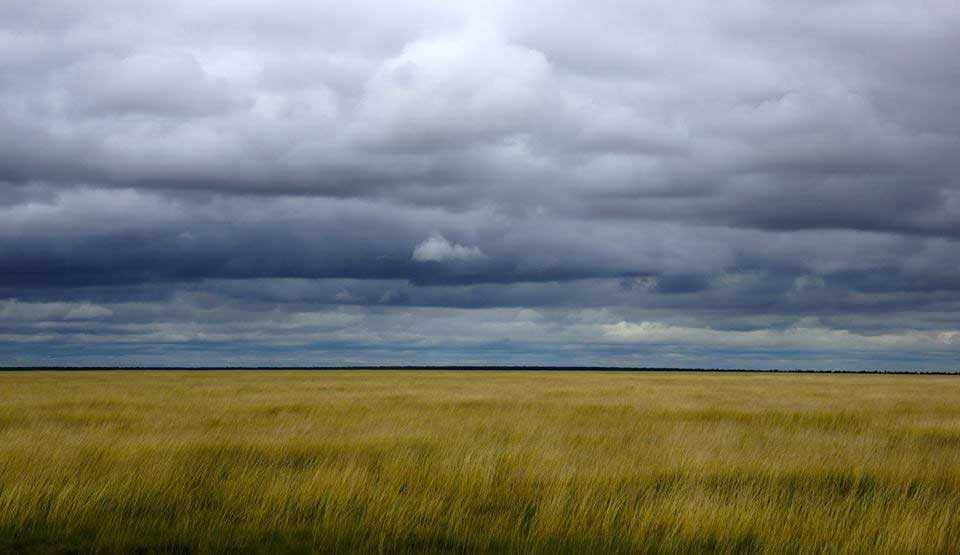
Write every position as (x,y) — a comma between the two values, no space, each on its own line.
(682,183)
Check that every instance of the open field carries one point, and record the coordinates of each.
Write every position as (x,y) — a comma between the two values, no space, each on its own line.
(465,461)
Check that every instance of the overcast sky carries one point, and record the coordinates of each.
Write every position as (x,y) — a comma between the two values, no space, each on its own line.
(746,184)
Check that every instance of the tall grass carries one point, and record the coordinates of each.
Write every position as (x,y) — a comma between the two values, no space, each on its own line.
(478,461)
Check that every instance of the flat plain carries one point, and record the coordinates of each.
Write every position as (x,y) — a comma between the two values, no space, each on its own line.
(443,461)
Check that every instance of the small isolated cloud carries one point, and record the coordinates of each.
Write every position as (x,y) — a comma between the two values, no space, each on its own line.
(437,249)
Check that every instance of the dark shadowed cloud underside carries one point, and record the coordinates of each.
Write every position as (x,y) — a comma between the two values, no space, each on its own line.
(678,183)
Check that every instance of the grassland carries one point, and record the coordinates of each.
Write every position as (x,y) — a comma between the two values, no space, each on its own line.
(478,461)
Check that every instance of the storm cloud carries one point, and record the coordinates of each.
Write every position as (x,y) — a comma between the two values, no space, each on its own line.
(747,184)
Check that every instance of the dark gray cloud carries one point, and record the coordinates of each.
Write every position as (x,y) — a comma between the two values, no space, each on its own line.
(675,183)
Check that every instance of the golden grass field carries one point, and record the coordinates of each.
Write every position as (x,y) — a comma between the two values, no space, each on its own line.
(430,461)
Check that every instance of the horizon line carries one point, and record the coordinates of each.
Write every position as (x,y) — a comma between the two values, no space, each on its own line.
(482,367)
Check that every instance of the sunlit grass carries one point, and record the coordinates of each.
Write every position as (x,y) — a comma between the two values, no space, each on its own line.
(468,461)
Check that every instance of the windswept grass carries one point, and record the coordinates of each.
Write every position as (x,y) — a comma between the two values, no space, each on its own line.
(478,461)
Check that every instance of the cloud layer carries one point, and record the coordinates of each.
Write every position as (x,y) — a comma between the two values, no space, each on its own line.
(654,183)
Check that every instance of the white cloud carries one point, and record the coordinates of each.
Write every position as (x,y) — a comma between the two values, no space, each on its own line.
(438,249)
(458,88)
(14,310)
(806,334)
